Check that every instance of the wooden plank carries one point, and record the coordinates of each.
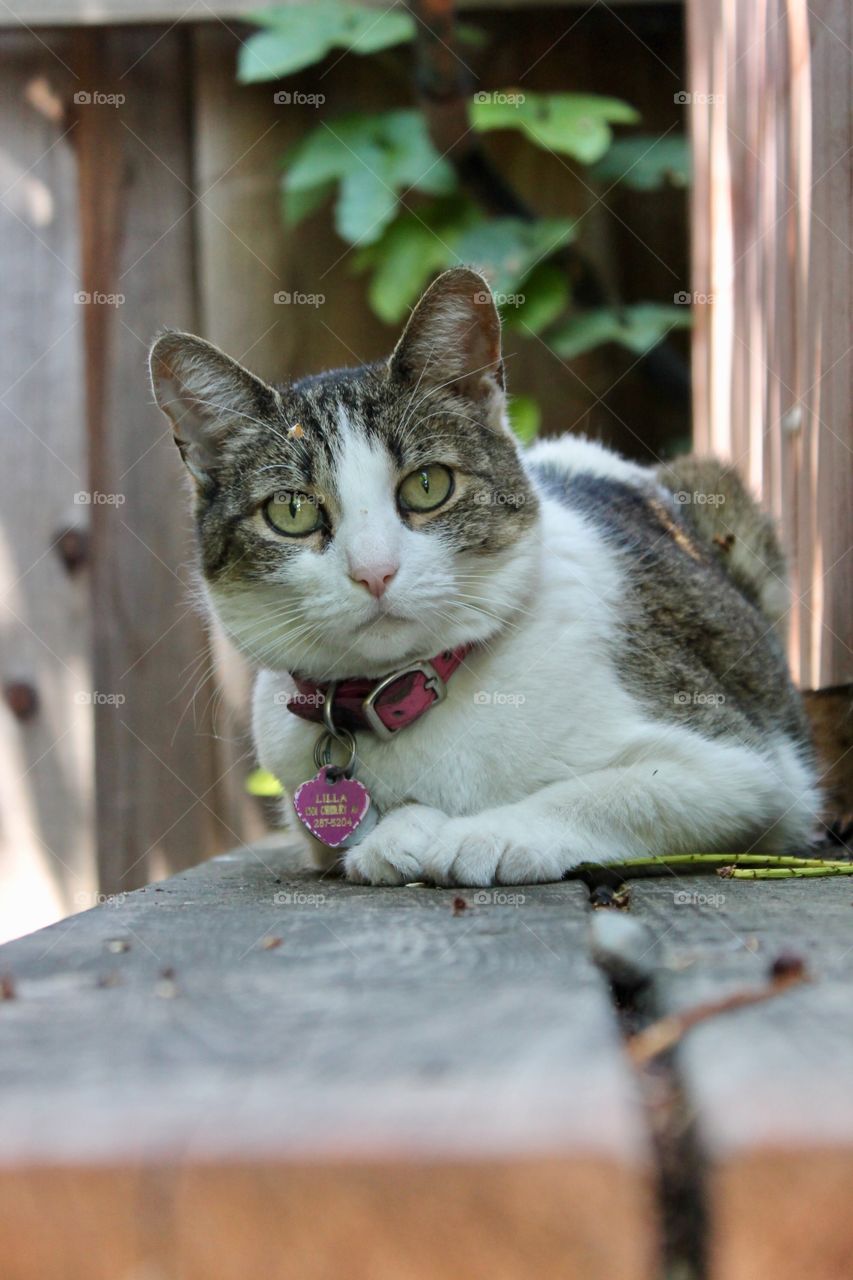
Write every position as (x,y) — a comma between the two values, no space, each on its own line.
(771,235)
(396,1088)
(159,767)
(769,1085)
(113,12)
(46,860)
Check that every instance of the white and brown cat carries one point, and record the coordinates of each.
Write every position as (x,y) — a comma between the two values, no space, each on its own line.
(618,687)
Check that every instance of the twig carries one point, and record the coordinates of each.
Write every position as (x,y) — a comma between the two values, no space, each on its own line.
(668,1031)
(786,872)
(723,863)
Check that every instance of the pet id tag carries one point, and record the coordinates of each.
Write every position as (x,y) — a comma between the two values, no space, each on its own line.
(335,808)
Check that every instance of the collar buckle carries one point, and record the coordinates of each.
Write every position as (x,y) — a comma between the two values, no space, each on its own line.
(434,683)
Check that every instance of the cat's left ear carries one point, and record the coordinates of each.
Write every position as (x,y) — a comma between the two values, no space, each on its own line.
(453,342)
(207,396)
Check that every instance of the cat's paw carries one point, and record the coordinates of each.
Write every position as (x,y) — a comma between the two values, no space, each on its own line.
(395,850)
(479,850)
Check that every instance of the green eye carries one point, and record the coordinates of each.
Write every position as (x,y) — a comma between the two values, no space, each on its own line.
(426,489)
(294,514)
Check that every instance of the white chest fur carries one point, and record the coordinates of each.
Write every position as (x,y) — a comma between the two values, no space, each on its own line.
(539,701)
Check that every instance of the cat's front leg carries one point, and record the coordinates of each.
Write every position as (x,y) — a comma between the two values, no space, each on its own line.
(396,850)
(704,796)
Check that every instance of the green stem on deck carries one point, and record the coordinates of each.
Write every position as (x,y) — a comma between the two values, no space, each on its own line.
(786,872)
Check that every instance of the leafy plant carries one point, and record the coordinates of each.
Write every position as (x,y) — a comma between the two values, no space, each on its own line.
(401,204)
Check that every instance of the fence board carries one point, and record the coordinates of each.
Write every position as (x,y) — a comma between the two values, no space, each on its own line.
(771,245)
(46,760)
(158,765)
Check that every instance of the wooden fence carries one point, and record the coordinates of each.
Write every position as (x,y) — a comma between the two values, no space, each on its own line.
(122,753)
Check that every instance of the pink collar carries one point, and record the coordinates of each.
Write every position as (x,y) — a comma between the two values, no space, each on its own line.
(386,705)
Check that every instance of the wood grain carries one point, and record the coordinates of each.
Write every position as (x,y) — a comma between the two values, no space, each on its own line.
(768,1085)
(46,794)
(158,766)
(393,1089)
(771,230)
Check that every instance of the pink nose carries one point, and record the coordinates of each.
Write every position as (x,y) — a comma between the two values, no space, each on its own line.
(377,578)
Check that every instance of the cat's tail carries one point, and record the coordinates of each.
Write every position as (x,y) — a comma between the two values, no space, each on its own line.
(728,519)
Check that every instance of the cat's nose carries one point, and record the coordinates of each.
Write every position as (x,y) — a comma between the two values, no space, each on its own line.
(377,578)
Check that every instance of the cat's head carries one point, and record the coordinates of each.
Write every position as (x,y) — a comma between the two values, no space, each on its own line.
(361,518)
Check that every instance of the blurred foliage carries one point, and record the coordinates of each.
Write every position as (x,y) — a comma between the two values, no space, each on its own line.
(401,203)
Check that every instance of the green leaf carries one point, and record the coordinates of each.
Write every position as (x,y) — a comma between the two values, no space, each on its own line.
(546,295)
(574,124)
(639,328)
(507,249)
(525,417)
(646,163)
(297,36)
(412,249)
(375,158)
(302,201)
(262,783)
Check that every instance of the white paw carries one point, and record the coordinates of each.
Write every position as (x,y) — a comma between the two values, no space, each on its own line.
(395,850)
(480,850)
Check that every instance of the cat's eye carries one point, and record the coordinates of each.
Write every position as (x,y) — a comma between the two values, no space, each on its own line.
(293,514)
(426,489)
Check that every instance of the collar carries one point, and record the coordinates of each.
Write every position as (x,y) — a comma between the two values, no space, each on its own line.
(386,705)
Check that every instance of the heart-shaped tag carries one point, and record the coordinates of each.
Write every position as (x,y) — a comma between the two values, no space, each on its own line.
(334,810)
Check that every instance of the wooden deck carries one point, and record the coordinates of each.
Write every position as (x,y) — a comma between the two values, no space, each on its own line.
(246,1071)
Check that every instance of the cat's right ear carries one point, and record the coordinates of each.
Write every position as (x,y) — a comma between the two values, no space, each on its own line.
(207,396)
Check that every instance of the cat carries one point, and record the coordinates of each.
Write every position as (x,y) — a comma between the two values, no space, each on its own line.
(620,689)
